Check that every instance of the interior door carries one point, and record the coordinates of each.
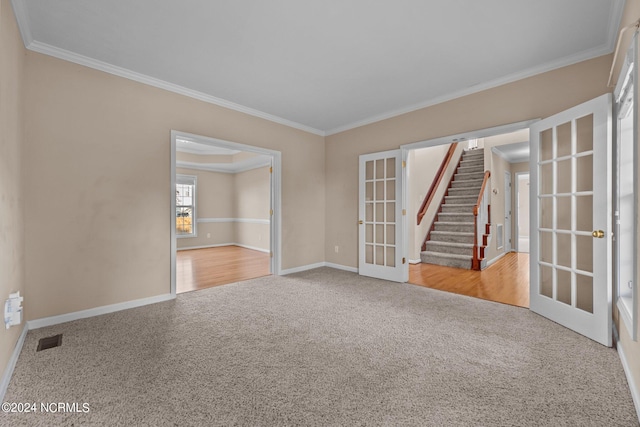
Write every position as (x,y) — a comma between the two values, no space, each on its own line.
(381,249)
(571,219)
(507,212)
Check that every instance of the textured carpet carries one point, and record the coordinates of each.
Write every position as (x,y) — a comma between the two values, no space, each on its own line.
(324,347)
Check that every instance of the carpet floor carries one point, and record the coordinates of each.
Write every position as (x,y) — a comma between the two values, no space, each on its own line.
(323,347)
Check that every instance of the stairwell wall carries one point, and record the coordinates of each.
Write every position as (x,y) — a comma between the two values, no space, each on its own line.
(423,165)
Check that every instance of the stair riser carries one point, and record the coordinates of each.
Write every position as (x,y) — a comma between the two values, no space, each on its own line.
(470,169)
(464,191)
(446,262)
(458,228)
(465,217)
(467,183)
(468,176)
(449,249)
(468,200)
(472,163)
(450,238)
(473,156)
(457,209)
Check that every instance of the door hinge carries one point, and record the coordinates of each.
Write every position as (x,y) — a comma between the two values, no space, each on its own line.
(271,169)
(404,164)
(271,212)
(271,254)
(404,260)
(404,211)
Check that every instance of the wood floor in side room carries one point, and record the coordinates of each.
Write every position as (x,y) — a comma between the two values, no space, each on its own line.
(506,281)
(204,268)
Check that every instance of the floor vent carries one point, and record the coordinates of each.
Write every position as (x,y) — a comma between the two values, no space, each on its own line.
(49,342)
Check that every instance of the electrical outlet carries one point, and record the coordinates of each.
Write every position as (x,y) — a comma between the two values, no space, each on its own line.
(337,249)
(208,235)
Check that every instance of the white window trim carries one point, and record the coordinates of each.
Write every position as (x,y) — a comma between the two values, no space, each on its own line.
(190,180)
(628,305)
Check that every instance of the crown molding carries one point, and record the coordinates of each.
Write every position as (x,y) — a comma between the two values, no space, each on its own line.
(244,166)
(20,11)
(22,18)
(66,55)
(549,66)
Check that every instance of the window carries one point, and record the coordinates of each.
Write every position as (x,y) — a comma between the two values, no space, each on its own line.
(626,193)
(186,206)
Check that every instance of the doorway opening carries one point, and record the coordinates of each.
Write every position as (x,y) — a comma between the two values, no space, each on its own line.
(441,244)
(225,213)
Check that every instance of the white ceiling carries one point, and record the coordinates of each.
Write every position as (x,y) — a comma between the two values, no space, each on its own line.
(322,66)
(515,152)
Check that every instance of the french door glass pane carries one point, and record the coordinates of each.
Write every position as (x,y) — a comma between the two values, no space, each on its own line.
(380,215)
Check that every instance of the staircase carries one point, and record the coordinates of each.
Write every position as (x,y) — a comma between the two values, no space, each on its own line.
(450,241)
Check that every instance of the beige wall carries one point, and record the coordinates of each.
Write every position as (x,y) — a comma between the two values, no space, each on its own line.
(97,193)
(538,96)
(253,202)
(215,195)
(243,195)
(11,201)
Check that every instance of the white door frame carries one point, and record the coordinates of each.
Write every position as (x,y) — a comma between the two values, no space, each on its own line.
(461,137)
(517,209)
(276,198)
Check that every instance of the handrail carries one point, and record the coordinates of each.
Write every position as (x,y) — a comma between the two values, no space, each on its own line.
(436,182)
(487,175)
(481,203)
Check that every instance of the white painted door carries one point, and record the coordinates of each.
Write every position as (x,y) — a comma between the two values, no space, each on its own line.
(381,249)
(571,219)
(507,212)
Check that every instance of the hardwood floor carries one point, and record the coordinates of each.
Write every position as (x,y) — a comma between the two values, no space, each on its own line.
(204,268)
(506,281)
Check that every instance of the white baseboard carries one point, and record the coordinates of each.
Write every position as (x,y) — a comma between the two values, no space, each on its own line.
(301,268)
(219,245)
(8,372)
(341,267)
(496,259)
(318,265)
(254,248)
(97,311)
(415,261)
(633,387)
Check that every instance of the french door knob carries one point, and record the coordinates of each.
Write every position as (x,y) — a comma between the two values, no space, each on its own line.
(598,234)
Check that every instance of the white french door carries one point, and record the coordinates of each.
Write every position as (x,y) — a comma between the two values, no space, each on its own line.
(380,239)
(571,219)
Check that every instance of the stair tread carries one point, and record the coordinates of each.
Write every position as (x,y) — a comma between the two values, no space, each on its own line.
(458,205)
(453,223)
(457,245)
(456,213)
(443,255)
(455,233)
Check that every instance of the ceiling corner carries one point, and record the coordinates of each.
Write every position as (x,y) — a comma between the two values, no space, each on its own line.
(22,18)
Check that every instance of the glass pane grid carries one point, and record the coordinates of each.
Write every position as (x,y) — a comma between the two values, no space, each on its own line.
(380,194)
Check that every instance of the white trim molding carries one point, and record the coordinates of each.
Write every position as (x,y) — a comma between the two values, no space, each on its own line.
(232,168)
(220,245)
(96,311)
(8,372)
(86,61)
(318,265)
(242,220)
